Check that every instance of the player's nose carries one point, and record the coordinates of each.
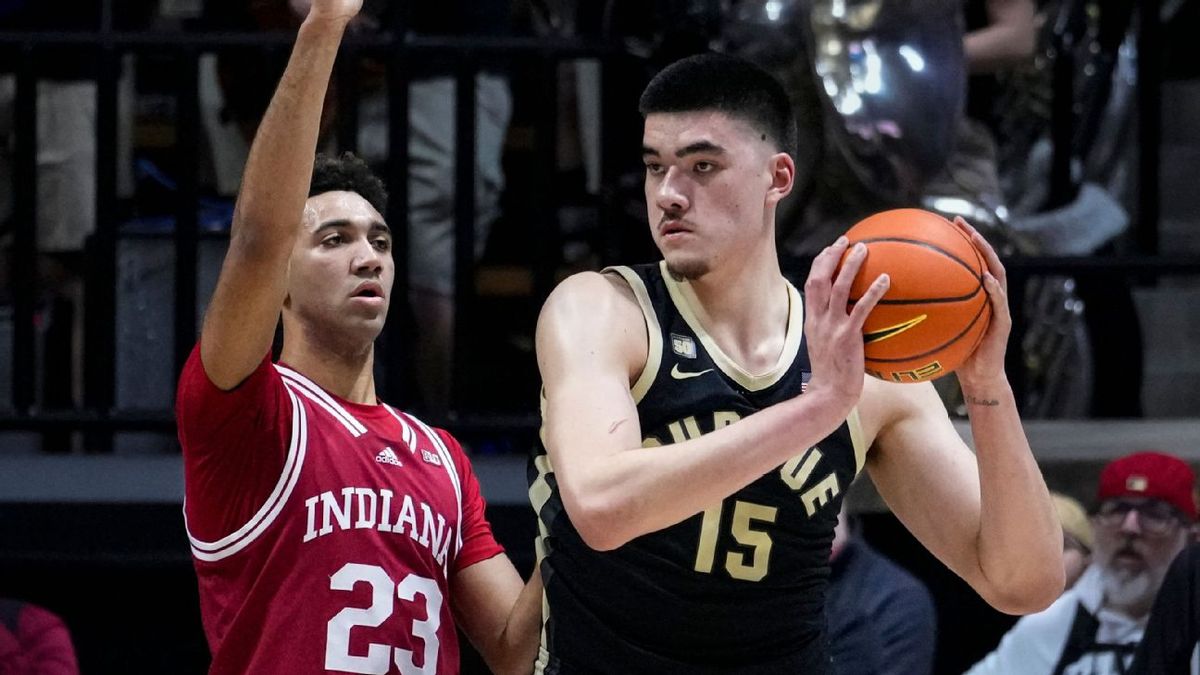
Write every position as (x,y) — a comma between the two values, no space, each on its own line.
(672,191)
(367,257)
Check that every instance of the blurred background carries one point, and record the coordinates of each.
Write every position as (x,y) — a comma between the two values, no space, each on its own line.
(124,125)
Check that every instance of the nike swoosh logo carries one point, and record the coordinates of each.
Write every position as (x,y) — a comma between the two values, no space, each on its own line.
(892,331)
(681,375)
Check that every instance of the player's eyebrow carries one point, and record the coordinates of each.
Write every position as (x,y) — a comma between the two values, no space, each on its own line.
(704,146)
(700,146)
(376,226)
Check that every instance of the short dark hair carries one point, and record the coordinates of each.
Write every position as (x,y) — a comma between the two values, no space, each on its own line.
(350,173)
(727,84)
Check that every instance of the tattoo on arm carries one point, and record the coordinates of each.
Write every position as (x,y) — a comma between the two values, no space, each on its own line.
(982,401)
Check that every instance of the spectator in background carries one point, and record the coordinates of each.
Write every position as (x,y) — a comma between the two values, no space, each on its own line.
(34,641)
(1077,536)
(65,201)
(1145,517)
(1169,646)
(881,618)
(431,174)
(1000,34)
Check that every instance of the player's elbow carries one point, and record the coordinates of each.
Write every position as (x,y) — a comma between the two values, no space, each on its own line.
(1030,594)
(598,521)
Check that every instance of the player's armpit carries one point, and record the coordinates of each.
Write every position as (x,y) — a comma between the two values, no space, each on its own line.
(239,325)
(501,616)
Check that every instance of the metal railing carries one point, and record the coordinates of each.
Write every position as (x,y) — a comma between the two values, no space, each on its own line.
(99,416)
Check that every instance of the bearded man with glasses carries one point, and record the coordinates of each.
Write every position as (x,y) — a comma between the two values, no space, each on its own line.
(1145,515)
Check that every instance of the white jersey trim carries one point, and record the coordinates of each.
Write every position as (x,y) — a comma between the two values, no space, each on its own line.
(246,534)
(319,396)
(447,463)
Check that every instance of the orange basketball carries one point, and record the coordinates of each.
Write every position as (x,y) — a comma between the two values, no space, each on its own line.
(936,309)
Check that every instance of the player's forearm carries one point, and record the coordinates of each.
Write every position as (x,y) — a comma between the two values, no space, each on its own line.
(279,168)
(518,643)
(615,497)
(1020,540)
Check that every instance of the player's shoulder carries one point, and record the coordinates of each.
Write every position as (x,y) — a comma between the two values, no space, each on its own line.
(587,299)
(593,287)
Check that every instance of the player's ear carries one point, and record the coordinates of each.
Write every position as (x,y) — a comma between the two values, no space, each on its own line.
(783,176)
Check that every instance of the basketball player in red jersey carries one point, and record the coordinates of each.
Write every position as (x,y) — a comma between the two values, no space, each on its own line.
(331,532)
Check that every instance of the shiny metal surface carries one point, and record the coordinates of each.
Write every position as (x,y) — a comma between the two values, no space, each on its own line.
(894,75)
(891,76)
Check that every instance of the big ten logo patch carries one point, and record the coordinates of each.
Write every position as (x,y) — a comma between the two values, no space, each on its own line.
(683,346)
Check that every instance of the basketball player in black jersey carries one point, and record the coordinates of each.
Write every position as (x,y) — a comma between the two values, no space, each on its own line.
(702,420)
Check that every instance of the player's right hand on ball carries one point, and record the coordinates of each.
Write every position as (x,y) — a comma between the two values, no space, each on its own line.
(834,332)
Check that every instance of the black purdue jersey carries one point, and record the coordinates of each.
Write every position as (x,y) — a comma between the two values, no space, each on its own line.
(738,588)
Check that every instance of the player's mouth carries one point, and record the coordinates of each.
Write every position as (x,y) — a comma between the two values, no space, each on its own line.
(673,229)
(368,291)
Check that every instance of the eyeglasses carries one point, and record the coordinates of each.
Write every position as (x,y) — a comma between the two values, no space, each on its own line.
(1155,518)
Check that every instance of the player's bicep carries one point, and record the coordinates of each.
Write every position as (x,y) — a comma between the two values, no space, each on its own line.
(588,341)
(928,476)
(241,318)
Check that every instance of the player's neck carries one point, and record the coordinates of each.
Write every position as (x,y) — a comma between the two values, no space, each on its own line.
(744,306)
(350,375)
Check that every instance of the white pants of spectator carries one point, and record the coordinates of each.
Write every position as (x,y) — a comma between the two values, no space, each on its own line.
(66,157)
(431,180)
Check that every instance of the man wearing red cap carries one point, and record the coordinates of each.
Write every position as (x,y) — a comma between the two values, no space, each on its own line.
(1145,515)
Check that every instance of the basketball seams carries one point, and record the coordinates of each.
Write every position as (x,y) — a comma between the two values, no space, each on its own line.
(924,244)
(926,301)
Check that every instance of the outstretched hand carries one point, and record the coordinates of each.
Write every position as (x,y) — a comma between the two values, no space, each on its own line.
(834,331)
(340,10)
(986,363)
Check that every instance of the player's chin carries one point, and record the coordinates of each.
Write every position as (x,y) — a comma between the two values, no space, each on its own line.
(365,320)
(684,266)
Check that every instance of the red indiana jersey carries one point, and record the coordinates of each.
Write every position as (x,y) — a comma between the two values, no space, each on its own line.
(325,533)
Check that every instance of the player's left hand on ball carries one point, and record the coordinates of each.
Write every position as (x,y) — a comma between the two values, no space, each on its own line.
(833,332)
(986,363)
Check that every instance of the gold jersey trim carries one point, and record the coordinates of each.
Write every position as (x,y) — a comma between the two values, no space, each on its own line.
(653,332)
(686,303)
(857,439)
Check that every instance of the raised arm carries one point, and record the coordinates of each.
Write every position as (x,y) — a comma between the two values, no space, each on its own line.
(240,322)
(592,342)
(987,516)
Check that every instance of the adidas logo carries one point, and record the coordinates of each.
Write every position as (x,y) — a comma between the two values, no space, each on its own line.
(386,456)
